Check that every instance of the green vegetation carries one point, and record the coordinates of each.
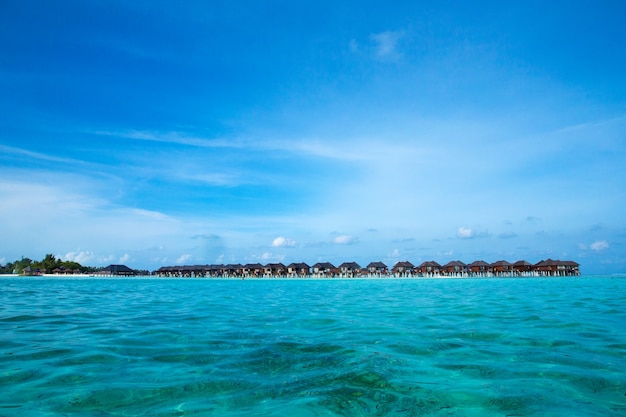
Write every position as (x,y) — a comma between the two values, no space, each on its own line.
(48,265)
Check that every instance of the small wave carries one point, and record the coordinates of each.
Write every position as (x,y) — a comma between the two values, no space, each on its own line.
(23,317)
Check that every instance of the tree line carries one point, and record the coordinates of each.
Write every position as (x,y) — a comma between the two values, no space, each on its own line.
(48,264)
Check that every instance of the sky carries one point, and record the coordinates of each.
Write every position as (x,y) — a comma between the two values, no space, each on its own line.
(154,133)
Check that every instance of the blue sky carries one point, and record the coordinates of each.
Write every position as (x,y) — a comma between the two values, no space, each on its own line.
(157,133)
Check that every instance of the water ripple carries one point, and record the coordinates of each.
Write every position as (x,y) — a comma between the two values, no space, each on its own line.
(313,347)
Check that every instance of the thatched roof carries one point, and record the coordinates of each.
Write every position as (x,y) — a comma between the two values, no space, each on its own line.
(298,265)
(324,266)
(253,266)
(117,270)
(454,263)
(479,264)
(350,265)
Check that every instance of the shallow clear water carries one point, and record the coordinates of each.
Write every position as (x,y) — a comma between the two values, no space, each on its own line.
(456,347)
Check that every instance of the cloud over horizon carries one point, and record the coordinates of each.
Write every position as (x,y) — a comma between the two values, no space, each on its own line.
(283,242)
(465,233)
(344,240)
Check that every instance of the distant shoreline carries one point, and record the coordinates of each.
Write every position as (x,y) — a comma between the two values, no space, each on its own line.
(305,278)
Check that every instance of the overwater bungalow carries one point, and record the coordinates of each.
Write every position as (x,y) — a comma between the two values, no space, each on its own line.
(455,268)
(253,270)
(214,271)
(349,269)
(274,270)
(193,271)
(571,267)
(164,271)
(429,268)
(548,267)
(480,268)
(232,270)
(403,269)
(522,267)
(116,270)
(552,267)
(377,269)
(323,270)
(502,267)
(298,269)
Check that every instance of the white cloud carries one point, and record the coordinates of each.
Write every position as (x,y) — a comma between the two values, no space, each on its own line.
(281,242)
(599,245)
(386,44)
(106,259)
(184,258)
(344,240)
(213,178)
(124,258)
(268,257)
(25,153)
(82,257)
(172,137)
(465,233)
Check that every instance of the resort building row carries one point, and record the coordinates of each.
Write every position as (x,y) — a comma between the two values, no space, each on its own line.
(501,268)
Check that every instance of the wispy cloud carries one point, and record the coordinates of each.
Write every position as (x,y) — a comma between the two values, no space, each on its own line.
(206,236)
(386,44)
(323,149)
(328,148)
(380,46)
(599,245)
(124,258)
(25,153)
(178,138)
(268,257)
(184,258)
(593,126)
(344,240)
(219,179)
(70,210)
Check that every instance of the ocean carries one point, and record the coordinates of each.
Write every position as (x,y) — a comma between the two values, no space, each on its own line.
(306,347)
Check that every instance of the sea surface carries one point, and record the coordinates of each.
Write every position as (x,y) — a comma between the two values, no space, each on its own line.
(300,347)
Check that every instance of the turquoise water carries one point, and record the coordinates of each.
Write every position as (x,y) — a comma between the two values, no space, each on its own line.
(415,347)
